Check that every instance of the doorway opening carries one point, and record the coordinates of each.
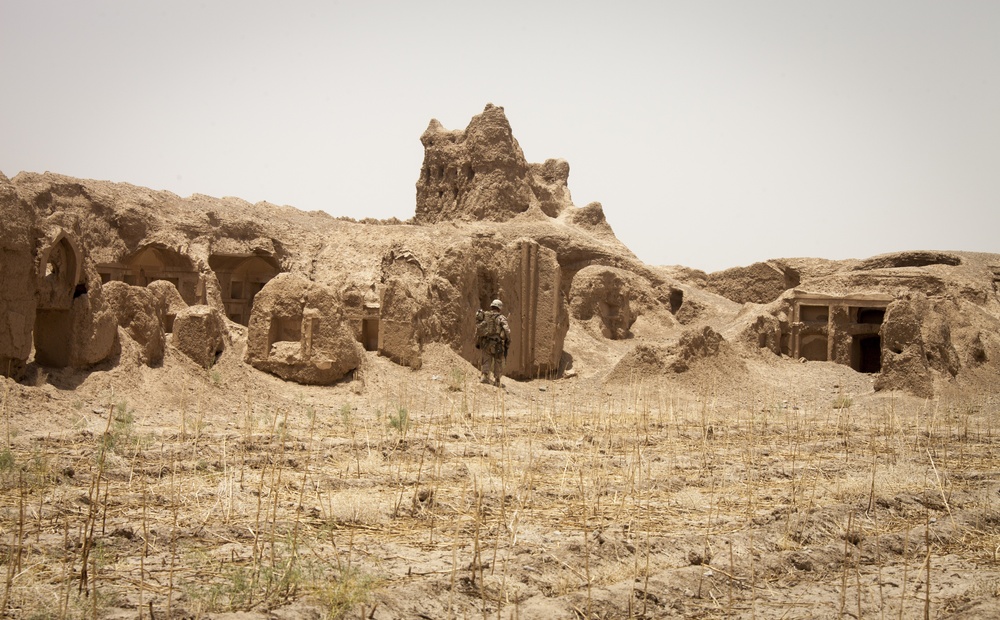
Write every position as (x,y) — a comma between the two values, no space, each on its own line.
(369,333)
(867,353)
(52,334)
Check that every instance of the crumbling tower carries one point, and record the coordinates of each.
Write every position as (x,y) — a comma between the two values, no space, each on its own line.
(480,173)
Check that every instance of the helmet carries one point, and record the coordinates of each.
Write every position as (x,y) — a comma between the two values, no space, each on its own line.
(497,304)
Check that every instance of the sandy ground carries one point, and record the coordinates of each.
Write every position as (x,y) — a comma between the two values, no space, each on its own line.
(760,489)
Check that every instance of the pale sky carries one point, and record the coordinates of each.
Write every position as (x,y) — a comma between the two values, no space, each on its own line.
(715,134)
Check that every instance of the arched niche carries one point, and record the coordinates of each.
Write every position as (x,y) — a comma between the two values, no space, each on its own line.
(60,269)
(60,266)
(241,277)
(153,262)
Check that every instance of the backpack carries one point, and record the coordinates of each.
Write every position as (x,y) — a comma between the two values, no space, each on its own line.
(482,328)
(487,328)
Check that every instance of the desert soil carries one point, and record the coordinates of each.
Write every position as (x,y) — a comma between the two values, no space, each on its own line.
(765,489)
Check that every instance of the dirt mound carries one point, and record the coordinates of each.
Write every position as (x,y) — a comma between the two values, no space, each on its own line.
(693,346)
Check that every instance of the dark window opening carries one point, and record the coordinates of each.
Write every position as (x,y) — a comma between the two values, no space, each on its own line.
(369,334)
(871,316)
(255,287)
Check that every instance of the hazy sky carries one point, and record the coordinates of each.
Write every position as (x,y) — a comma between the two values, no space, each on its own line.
(715,134)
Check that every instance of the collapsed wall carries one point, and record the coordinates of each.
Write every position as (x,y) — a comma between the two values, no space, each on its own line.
(201,334)
(136,311)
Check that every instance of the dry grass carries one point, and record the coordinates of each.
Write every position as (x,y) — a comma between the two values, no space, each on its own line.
(639,501)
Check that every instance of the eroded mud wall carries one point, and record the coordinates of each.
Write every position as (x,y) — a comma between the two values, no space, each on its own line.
(17,277)
(536,312)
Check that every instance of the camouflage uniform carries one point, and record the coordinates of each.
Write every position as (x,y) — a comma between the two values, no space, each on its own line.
(494,345)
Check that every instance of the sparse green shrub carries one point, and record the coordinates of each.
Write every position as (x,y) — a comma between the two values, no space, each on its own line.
(232,594)
(842,402)
(400,421)
(276,575)
(456,379)
(6,461)
(119,434)
(240,587)
(348,590)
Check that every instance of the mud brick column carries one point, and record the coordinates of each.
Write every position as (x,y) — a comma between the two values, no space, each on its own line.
(839,339)
(535,311)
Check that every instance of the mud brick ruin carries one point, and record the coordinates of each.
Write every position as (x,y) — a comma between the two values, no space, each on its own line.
(90,265)
(839,329)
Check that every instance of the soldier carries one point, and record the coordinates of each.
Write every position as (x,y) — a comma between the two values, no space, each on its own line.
(493,339)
